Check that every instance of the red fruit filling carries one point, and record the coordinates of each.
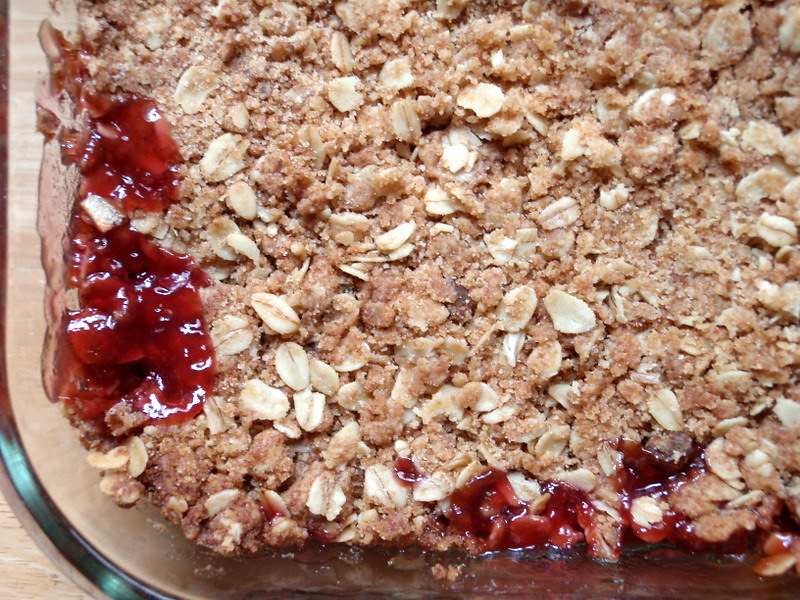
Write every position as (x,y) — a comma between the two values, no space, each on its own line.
(487,508)
(645,473)
(139,337)
(406,471)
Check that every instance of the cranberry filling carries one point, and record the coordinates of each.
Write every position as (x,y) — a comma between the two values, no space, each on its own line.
(487,508)
(128,157)
(645,473)
(139,337)
(406,471)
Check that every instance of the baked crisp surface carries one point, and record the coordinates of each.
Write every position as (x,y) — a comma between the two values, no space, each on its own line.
(474,234)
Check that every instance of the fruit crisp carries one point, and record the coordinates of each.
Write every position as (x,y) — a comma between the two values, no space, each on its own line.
(476,274)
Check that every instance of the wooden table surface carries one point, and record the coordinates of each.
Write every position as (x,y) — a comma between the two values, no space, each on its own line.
(25,573)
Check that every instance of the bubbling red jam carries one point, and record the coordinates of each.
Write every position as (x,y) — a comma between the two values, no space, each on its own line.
(139,338)
(487,508)
(406,471)
(127,156)
(645,473)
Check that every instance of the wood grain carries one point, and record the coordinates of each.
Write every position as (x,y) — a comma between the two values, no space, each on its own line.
(25,572)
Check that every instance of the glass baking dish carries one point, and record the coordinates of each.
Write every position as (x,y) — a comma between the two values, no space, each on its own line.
(111,552)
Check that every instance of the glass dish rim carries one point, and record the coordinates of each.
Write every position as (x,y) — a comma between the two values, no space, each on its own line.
(30,503)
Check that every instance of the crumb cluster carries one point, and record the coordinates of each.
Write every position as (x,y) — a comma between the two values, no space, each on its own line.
(473,233)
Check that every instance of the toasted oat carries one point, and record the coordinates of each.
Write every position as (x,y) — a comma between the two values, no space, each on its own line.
(122,488)
(224,157)
(526,489)
(572,145)
(501,247)
(751,498)
(383,488)
(218,502)
(721,464)
(323,377)
(405,121)
(309,409)
(450,9)
(582,479)
(237,119)
(546,359)
(263,402)
(728,37)
(355,270)
(439,203)
(517,308)
(663,406)
(193,88)
(112,460)
(458,157)
(102,212)
(231,335)
(760,462)
(777,564)
(276,313)
(137,452)
(325,497)
(614,198)
(776,231)
(275,503)
(560,392)
(241,199)
(484,99)
(243,245)
(789,31)
(766,182)
(646,511)
(341,55)
(396,74)
(553,442)
(763,136)
(609,458)
(291,363)
(561,213)
(511,345)
(343,93)
(569,314)
(725,425)
(394,239)
(437,486)
(499,415)
(344,445)
(787,411)
(214,419)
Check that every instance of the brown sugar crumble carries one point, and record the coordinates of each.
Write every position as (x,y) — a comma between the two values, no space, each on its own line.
(552,241)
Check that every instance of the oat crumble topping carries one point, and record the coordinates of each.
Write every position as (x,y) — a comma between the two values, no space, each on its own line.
(474,234)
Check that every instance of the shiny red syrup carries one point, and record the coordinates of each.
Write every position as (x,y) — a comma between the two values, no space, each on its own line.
(487,508)
(139,338)
(647,473)
(406,471)
(128,157)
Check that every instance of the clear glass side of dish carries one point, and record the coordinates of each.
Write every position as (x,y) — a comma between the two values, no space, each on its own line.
(134,553)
